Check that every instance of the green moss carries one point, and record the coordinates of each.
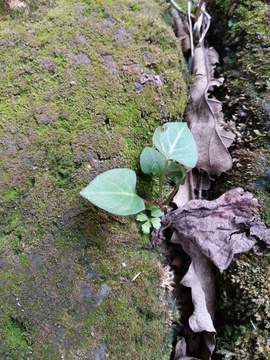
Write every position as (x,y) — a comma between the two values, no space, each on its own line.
(15,342)
(69,112)
(246,53)
(10,194)
(246,65)
(16,338)
(244,309)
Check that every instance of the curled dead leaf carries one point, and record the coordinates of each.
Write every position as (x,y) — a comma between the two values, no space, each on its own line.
(180,31)
(204,115)
(220,228)
(200,278)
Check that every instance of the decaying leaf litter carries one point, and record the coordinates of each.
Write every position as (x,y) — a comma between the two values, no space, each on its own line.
(205,234)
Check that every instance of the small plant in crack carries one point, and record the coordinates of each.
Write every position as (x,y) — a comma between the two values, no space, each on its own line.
(150,218)
(115,190)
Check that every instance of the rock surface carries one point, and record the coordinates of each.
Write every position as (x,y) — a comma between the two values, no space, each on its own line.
(69,112)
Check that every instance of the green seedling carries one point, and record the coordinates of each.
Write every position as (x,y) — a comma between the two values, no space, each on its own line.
(150,219)
(115,190)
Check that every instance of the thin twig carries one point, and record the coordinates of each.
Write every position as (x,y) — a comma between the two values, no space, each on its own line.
(198,10)
(208,19)
(135,277)
(190,31)
(253,325)
(191,184)
(200,180)
(197,27)
(177,7)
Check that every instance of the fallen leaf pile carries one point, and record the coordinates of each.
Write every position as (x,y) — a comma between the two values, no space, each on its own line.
(211,233)
(205,234)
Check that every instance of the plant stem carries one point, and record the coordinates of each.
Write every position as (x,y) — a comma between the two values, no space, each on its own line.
(167,201)
(162,179)
(150,202)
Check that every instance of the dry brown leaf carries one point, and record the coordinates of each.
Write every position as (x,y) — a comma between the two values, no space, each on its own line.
(181,31)
(184,194)
(197,180)
(211,232)
(220,228)
(204,115)
(180,349)
(201,279)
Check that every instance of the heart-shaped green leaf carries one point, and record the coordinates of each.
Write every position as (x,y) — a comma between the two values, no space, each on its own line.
(176,173)
(114,191)
(152,161)
(175,141)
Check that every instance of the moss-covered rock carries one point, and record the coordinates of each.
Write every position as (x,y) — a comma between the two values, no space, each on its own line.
(244,309)
(69,112)
(245,47)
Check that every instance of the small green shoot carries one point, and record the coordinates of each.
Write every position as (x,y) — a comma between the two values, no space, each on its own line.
(150,219)
(115,190)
